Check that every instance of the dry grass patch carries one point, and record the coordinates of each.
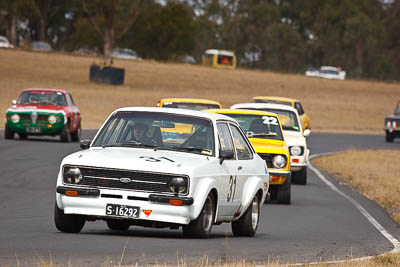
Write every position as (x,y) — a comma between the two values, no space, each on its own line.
(373,172)
(386,260)
(334,106)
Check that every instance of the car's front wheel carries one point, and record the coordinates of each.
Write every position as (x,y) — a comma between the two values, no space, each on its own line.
(68,223)
(300,177)
(64,135)
(389,137)
(76,136)
(119,225)
(247,224)
(284,194)
(201,227)
(8,133)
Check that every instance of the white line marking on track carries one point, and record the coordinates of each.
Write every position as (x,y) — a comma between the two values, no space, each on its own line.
(364,212)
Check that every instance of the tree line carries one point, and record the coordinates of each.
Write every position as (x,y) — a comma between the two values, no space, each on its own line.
(360,36)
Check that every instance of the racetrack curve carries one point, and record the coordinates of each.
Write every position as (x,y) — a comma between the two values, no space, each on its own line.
(320,224)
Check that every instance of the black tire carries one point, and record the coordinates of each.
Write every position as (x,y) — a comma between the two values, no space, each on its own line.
(201,227)
(68,223)
(76,136)
(22,136)
(118,225)
(247,224)
(284,194)
(300,177)
(64,135)
(389,137)
(8,133)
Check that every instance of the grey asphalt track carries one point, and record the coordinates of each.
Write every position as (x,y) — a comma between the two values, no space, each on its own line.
(318,225)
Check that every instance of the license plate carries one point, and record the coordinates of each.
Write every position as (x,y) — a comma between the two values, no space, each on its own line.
(122,211)
(33,130)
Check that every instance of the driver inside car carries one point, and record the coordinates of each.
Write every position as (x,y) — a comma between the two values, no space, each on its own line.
(139,133)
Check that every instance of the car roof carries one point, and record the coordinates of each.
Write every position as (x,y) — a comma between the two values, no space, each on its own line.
(194,100)
(180,111)
(241,111)
(263,105)
(45,90)
(219,52)
(328,68)
(277,98)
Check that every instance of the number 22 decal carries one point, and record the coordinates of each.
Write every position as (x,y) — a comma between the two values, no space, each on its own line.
(270,120)
(232,188)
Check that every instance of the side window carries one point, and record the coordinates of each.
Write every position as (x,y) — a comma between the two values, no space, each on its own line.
(299,108)
(224,137)
(243,150)
(72,100)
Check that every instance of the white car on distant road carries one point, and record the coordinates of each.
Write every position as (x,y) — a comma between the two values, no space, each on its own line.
(295,138)
(4,43)
(327,72)
(163,167)
(125,53)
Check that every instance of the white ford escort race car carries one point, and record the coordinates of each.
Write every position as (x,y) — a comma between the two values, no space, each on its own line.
(295,138)
(163,167)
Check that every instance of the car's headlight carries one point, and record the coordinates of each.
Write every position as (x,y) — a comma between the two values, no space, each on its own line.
(15,118)
(72,175)
(279,161)
(178,185)
(295,151)
(52,119)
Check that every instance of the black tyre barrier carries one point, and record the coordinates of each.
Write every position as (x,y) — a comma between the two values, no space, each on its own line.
(109,75)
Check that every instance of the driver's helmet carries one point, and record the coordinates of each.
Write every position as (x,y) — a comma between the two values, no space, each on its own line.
(34,98)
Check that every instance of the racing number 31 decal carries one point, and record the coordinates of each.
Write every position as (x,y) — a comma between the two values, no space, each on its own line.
(232,188)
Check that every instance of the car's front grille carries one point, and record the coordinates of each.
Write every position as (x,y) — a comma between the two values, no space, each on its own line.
(127,180)
(267,158)
(27,117)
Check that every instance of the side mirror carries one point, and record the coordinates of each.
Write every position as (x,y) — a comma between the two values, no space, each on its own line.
(85,144)
(226,154)
(307,132)
(14,102)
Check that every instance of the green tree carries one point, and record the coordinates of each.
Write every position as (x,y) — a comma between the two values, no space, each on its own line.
(10,12)
(112,19)
(163,32)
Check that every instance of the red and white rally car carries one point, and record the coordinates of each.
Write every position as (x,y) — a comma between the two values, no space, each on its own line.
(43,112)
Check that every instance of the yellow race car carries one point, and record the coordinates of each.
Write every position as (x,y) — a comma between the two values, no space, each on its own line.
(305,120)
(188,103)
(264,131)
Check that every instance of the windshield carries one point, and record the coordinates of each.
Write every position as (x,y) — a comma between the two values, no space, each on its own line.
(271,101)
(288,118)
(189,105)
(258,126)
(158,131)
(42,97)
(397,109)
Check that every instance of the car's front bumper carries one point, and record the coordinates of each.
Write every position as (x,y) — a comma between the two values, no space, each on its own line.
(278,177)
(93,202)
(36,128)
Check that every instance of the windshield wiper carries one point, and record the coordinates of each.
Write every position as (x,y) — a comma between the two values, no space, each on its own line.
(190,148)
(133,144)
(291,128)
(263,134)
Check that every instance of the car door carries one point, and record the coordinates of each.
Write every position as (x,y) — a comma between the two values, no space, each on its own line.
(227,177)
(245,156)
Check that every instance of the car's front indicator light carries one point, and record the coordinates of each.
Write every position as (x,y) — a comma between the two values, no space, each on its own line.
(15,118)
(279,161)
